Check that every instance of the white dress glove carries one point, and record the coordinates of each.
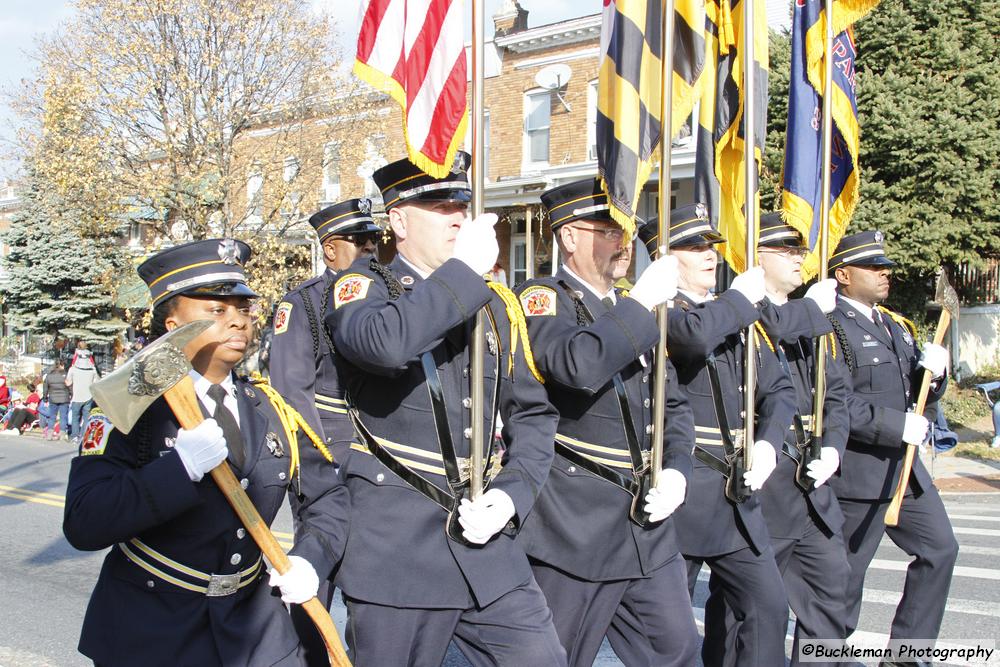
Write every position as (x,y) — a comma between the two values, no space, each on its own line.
(934,358)
(658,283)
(666,496)
(476,243)
(824,293)
(201,448)
(483,518)
(299,584)
(750,284)
(764,460)
(915,429)
(823,468)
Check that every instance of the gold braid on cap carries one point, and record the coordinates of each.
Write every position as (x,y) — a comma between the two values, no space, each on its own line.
(518,327)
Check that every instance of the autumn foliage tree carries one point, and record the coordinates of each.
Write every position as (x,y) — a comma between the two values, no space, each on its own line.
(183,106)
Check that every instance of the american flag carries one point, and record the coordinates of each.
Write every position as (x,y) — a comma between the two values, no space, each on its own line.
(414,50)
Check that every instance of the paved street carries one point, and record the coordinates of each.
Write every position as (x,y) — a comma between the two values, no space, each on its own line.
(46,583)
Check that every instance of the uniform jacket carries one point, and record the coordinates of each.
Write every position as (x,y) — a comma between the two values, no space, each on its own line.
(398,553)
(795,326)
(886,379)
(137,487)
(302,366)
(708,524)
(580,523)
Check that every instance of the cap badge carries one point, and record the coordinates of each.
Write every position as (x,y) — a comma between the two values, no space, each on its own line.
(458,165)
(701,211)
(879,238)
(229,252)
(365,206)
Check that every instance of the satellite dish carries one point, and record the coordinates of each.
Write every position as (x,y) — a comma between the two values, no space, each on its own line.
(554,78)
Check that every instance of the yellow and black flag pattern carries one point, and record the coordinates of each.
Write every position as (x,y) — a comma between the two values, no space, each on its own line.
(719,166)
(629,85)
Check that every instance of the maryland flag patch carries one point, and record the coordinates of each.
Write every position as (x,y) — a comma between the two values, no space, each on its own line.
(538,301)
(352,287)
(281,317)
(95,437)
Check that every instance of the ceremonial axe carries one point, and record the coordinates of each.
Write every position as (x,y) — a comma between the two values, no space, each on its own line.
(161,369)
(947,298)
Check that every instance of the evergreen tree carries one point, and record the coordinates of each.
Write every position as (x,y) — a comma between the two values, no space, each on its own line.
(929,110)
(61,282)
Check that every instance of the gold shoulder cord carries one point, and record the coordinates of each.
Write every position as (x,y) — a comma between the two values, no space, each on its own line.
(761,334)
(292,422)
(518,327)
(833,345)
(900,320)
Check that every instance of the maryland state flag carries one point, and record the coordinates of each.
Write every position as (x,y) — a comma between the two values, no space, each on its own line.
(802,173)
(628,96)
(719,168)
(414,50)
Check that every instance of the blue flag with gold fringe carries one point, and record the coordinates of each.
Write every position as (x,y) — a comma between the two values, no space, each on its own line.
(802,172)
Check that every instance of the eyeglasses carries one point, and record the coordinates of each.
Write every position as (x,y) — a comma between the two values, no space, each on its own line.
(609,233)
(361,239)
(785,251)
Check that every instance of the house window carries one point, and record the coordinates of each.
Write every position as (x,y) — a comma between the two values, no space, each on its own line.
(255,187)
(518,252)
(537,120)
(592,120)
(486,142)
(331,172)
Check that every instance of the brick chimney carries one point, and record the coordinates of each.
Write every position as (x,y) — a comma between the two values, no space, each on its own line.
(510,18)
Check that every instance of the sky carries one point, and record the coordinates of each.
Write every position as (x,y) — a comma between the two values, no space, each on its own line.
(22,22)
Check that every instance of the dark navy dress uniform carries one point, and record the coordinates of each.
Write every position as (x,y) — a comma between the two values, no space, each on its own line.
(302,366)
(731,538)
(303,370)
(883,362)
(599,570)
(804,527)
(409,587)
(182,584)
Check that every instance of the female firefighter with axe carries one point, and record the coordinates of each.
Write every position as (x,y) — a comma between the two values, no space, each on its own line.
(183,582)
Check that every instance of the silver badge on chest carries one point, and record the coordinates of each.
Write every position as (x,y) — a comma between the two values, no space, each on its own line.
(274,444)
(491,342)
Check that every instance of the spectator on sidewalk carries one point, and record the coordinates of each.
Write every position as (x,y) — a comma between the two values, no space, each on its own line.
(57,393)
(4,395)
(80,377)
(996,426)
(24,415)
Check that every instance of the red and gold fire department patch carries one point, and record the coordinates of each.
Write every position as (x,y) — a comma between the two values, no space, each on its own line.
(538,301)
(95,438)
(281,317)
(352,287)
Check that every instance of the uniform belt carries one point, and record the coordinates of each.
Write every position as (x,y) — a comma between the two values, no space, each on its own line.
(182,576)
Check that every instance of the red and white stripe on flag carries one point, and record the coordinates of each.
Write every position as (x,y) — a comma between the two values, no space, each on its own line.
(414,50)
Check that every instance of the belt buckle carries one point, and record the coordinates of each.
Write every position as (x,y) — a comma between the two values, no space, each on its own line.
(220,585)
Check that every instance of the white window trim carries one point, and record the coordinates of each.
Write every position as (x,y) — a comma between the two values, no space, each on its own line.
(527,164)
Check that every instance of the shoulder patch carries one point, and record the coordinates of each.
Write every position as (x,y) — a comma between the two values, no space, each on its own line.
(538,301)
(352,287)
(95,437)
(282,317)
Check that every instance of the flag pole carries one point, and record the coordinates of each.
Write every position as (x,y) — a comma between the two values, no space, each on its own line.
(476,372)
(663,231)
(819,394)
(750,208)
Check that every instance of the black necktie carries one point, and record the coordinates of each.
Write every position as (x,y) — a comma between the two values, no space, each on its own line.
(230,429)
(608,302)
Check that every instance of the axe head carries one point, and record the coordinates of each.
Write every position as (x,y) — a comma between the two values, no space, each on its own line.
(126,393)
(945,295)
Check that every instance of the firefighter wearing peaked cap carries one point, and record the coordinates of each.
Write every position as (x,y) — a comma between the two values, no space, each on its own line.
(803,521)
(183,583)
(886,367)
(593,344)
(424,564)
(706,347)
(302,366)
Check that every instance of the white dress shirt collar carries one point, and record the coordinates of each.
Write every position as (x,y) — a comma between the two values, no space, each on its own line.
(201,386)
(590,288)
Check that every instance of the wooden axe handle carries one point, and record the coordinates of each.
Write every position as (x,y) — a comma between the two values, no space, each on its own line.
(892,514)
(184,402)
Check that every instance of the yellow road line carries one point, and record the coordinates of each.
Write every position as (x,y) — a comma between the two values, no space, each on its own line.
(30,496)
(52,496)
